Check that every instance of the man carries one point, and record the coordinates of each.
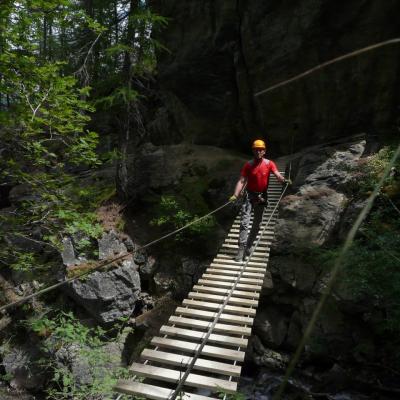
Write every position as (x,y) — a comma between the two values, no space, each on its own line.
(255,175)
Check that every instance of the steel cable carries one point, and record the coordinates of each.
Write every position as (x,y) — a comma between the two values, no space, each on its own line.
(110,261)
(216,318)
(327,63)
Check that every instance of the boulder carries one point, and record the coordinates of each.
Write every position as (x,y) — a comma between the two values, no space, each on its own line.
(68,252)
(290,270)
(310,216)
(164,281)
(262,356)
(70,359)
(148,267)
(83,364)
(271,326)
(21,363)
(108,296)
(110,245)
(180,275)
(112,294)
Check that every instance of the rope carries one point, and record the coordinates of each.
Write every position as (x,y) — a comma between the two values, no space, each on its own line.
(325,64)
(215,321)
(110,261)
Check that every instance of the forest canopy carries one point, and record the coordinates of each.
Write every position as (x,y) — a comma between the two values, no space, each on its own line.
(60,62)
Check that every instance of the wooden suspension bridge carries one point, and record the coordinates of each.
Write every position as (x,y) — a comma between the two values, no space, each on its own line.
(208,334)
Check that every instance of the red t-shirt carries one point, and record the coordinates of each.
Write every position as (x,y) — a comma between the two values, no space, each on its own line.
(257,174)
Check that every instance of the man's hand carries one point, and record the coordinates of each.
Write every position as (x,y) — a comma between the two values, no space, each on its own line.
(233,198)
(287,181)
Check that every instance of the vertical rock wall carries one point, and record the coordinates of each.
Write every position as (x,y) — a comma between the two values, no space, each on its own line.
(223,52)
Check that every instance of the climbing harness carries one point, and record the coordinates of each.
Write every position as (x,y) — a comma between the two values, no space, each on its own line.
(257,198)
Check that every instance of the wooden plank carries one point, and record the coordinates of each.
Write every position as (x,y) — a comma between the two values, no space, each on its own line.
(228,285)
(229,272)
(233,266)
(221,257)
(152,392)
(233,319)
(215,306)
(198,324)
(227,278)
(266,221)
(171,375)
(258,253)
(211,351)
(234,238)
(265,235)
(263,243)
(270,229)
(260,247)
(231,254)
(233,244)
(232,300)
(269,216)
(213,338)
(200,364)
(237,293)
(251,263)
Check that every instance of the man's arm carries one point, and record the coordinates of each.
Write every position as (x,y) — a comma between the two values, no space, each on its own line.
(239,185)
(279,176)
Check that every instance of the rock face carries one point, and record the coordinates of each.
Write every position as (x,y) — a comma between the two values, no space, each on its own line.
(179,277)
(22,363)
(311,217)
(156,168)
(222,53)
(110,295)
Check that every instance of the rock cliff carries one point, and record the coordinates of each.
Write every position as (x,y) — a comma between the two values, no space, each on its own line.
(221,53)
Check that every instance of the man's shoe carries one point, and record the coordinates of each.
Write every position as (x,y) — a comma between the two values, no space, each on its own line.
(240,254)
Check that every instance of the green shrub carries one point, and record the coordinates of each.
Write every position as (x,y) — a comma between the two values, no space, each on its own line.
(369,171)
(105,371)
(172,215)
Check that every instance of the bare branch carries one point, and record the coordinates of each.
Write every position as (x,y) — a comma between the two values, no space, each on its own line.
(82,71)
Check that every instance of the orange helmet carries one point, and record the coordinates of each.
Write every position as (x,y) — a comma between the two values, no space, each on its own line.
(258,144)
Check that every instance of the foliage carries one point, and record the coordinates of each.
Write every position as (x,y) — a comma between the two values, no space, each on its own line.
(372,270)
(369,171)
(374,273)
(50,51)
(60,63)
(44,135)
(65,330)
(173,215)
(222,394)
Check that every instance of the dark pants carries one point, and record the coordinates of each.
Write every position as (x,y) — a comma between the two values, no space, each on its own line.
(252,202)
